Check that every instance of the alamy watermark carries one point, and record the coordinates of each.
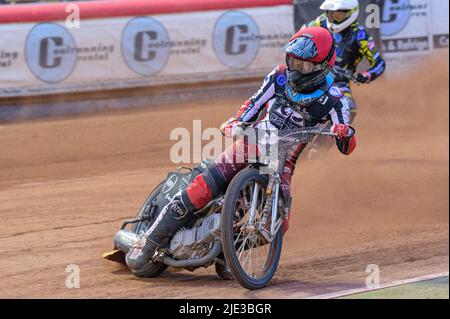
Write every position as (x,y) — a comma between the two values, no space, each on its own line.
(73,17)
(254,145)
(373,19)
(73,279)
(373,278)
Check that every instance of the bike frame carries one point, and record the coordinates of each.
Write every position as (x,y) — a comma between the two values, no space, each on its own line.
(276,168)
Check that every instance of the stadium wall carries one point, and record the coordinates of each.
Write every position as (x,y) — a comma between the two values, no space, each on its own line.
(121,44)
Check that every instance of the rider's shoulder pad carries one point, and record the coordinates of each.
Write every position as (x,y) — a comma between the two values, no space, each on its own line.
(335,91)
(280,78)
(361,33)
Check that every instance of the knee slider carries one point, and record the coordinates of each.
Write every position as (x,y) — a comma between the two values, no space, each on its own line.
(214,179)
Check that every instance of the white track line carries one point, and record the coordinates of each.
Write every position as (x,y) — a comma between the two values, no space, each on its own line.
(382,286)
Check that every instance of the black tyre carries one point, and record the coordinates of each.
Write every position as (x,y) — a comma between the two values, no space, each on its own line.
(151,269)
(233,223)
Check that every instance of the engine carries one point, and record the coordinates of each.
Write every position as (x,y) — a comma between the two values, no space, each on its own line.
(195,242)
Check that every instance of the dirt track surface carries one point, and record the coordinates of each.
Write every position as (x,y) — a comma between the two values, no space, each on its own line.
(66,185)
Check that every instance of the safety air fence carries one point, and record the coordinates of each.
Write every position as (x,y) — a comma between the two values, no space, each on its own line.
(67,47)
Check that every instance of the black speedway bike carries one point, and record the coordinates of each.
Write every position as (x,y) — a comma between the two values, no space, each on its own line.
(239,231)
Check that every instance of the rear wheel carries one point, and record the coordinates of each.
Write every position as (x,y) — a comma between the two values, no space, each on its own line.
(251,259)
(150,269)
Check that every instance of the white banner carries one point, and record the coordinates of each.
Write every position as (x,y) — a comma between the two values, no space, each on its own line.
(43,58)
(439,23)
(411,29)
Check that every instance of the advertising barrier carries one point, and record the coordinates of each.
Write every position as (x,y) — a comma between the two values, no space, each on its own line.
(121,44)
(119,52)
(411,29)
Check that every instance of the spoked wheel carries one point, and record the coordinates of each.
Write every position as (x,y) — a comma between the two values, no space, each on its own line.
(151,269)
(251,259)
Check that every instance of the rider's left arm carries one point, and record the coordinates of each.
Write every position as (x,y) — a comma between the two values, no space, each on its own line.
(368,49)
(339,116)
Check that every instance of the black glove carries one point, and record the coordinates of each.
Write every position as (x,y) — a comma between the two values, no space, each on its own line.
(363,77)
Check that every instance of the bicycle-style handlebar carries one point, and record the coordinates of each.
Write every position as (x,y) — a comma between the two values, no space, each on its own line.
(306,130)
(347,74)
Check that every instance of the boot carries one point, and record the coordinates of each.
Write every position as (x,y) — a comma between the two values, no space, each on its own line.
(172,217)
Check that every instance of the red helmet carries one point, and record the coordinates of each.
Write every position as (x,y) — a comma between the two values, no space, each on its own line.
(310,55)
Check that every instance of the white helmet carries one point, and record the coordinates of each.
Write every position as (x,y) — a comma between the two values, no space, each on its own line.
(352,6)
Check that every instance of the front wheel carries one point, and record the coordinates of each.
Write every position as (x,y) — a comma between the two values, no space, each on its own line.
(251,259)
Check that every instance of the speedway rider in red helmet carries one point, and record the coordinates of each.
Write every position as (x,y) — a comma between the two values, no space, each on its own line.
(295,95)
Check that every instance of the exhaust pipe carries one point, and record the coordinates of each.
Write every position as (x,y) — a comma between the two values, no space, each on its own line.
(195,263)
(124,239)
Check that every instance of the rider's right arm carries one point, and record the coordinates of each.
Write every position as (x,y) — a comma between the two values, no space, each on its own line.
(249,112)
